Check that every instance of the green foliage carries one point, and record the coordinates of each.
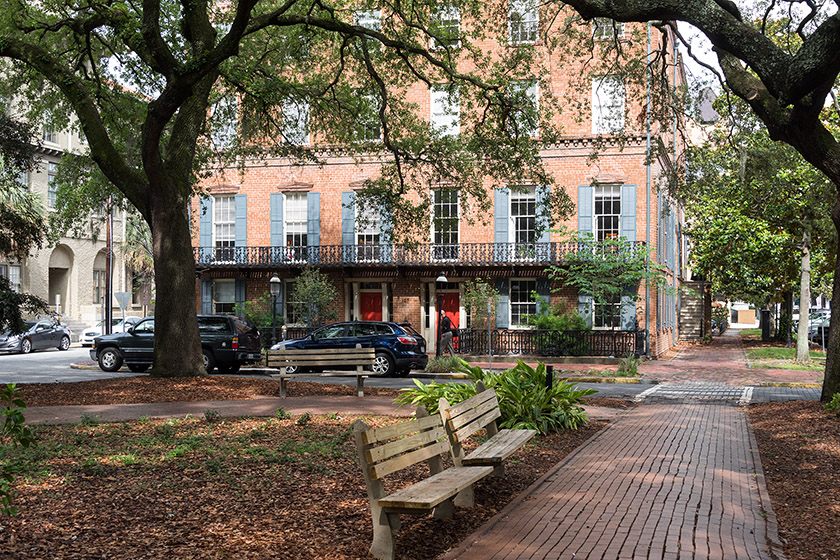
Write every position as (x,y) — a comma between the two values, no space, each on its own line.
(14,433)
(552,317)
(258,311)
(211,415)
(833,406)
(628,367)
(476,295)
(14,305)
(721,315)
(304,419)
(524,400)
(281,413)
(443,364)
(313,297)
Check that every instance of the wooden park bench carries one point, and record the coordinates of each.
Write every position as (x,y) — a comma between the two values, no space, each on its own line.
(384,451)
(480,412)
(328,358)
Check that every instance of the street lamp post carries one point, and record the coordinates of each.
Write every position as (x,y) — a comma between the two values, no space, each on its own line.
(439,280)
(274,290)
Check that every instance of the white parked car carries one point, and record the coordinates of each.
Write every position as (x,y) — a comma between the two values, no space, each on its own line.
(117,325)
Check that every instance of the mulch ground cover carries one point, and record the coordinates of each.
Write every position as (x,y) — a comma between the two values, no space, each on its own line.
(800,454)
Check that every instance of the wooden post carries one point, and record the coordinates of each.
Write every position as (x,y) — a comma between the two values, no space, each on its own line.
(385,525)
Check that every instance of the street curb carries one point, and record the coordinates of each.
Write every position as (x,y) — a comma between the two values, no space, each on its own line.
(626,380)
(792,384)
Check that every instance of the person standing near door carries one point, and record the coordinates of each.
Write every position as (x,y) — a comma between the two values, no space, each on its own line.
(446,334)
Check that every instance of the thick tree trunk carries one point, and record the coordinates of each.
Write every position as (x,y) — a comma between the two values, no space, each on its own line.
(177,342)
(831,382)
(802,354)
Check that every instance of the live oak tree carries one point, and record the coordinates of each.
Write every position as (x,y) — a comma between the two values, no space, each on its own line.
(164,92)
(787,86)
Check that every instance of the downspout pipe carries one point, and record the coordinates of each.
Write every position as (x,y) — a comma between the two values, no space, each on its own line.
(676,213)
(647,201)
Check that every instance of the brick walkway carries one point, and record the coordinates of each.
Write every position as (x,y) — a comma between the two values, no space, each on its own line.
(669,482)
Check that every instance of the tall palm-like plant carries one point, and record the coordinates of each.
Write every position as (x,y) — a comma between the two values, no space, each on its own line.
(137,251)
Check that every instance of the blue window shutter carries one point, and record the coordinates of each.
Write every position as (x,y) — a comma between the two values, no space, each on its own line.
(628,212)
(205,223)
(385,231)
(313,226)
(544,291)
(586,194)
(543,195)
(239,295)
(503,309)
(206,297)
(502,210)
(348,218)
(240,227)
(276,202)
(628,313)
(585,308)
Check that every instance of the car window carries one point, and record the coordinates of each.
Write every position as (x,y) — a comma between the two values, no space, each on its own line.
(363,329)
(145,327)
(43,326)
(213,324)
(335,331)
(243,325)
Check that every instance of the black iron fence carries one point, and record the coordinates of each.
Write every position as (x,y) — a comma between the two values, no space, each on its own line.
(553,343)
(468,254)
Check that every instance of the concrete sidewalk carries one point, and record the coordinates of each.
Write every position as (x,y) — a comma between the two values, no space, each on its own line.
(664,482)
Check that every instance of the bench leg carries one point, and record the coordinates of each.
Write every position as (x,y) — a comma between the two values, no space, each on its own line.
(385,527)
(499,470)
(465,498)
(360,386)
(282,391)
(444,510)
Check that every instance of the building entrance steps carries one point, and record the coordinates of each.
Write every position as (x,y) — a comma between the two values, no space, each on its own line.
(664,482)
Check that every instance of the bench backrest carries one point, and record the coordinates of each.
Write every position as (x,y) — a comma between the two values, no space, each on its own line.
(467,417)
(335,357)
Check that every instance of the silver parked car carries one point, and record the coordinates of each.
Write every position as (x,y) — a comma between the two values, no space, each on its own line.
(117,325)
(37,335)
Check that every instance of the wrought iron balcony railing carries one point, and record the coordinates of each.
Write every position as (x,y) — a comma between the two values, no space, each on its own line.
(469,254)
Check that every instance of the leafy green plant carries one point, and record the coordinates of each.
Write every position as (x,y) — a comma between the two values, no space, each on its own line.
(628,367)
(552,317)
(211,415)
(524,400)
(13,433)
(833,406)
(312,297)
(476,295)
(443,364)
(304,419)
(89,419)
(281,413)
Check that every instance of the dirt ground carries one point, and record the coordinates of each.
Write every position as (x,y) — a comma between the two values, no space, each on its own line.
(184,500)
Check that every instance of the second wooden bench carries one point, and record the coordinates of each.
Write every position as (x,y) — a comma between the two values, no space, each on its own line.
(356,358)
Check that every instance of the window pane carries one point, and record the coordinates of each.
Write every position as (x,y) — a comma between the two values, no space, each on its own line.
(446,24)
(296,122)
(445,110)
(523,21)
(607,104)
(224,296)
(445,224)
(521,304)
(607,212)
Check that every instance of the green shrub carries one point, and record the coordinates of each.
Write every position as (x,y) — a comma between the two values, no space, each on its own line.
(211,415)
(833,406)
(443,364)
(304,419)
(524,400)
(281,413)
(13,432)
(628,367)
(552,317)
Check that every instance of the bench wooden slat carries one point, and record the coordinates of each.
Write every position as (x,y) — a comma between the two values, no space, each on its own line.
(469,415)
(478,424)
(472,402)
(392,448)
(432,491)
(499,447)
(407,459)
(315,361)
(303,352)
(376,435)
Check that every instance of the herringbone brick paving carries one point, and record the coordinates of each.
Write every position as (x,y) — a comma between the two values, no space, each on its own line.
(668,482)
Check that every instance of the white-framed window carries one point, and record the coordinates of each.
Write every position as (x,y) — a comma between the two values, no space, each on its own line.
(445,225)
(98,285)
(523,21)
(607,104)
(446,23)
(48,134)
(367,232)
(291,305)
(367,121)
(22,179)
(606,28)
(607,212)
(225,115)
(295,226)
(523,222)
(224,226)
(52,184)
(224,296)
(369,19)
(526,122)
(14,277)
(445,109)
(521,303)
(296,122)
(607,315)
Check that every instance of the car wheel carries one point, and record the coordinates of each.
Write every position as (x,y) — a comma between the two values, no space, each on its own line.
(209,360)
(293,369)
(110,359)
(25,346)
(65,343)
(383,364)
(138,368)
(228,368)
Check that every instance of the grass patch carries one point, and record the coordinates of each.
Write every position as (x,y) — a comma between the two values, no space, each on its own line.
(783,358)
(751,332)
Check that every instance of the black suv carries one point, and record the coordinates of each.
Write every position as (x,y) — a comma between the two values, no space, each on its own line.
(399,348)
(227,342)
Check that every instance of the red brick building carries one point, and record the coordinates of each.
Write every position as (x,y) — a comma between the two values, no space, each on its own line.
(277,216)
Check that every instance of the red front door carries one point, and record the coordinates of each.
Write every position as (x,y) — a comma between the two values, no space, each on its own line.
(370,306)
(450,303)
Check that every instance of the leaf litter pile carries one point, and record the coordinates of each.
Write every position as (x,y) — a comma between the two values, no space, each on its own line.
(208,488)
